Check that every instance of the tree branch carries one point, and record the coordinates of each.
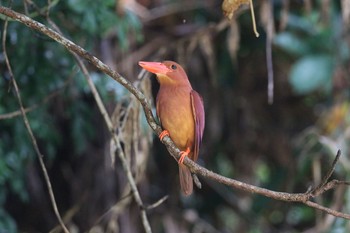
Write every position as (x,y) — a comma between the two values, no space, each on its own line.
(174,151)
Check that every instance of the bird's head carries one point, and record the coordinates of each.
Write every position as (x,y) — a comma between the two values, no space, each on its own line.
(168,72)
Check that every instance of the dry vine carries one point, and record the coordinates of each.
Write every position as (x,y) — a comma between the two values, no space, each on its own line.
(305,198)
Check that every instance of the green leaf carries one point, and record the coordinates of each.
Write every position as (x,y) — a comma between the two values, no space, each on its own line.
(7,223)
(299,214)
(302,24)
(90,22)
(262,172)
(312,73)
(291,43)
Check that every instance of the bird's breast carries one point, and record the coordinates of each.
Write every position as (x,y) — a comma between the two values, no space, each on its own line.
(175,113)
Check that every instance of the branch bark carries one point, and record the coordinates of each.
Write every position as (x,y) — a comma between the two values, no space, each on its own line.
(304,198)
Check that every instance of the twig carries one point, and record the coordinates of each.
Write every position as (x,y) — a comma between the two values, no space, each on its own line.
(157,203)
(34,106)
(174,151)
(117,207)
(29,129)
(17,112)
(328,175)
(253,18)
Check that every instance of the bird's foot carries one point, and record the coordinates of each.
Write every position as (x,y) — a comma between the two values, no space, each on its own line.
(183,154)
(163,134)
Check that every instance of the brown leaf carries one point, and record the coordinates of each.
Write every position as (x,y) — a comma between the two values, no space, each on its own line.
(230,6)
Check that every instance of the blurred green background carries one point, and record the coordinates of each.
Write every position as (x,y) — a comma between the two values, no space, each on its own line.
(284,146)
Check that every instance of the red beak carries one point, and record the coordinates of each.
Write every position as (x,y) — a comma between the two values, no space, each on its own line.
(154,67)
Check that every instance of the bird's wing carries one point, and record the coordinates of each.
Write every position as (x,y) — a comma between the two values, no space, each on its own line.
(199,119)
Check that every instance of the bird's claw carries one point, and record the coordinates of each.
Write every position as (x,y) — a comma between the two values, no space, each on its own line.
(163,134)
(183,154)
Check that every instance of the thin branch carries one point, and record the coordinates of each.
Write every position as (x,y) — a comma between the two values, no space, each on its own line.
(320,188)
(327,210)
(174,151)
(157,203)
(253,18)
(331,185)
(29,129)
(118,207)
(17,113)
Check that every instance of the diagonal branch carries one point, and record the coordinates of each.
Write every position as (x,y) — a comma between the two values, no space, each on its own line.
(174,151)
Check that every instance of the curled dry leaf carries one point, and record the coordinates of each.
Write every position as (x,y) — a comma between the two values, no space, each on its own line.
(230,6)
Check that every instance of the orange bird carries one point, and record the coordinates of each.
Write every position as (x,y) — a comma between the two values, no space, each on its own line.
(181,113)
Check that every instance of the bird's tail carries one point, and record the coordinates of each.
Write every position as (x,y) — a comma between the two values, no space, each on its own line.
(186,181)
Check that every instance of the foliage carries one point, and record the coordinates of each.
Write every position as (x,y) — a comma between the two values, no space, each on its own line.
(317,45)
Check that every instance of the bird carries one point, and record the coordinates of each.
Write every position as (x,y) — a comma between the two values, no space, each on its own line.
(180,111)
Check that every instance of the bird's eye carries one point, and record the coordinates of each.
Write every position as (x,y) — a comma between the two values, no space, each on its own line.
(174,67)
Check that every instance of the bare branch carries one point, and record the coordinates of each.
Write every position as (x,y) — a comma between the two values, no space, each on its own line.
(327,210)
(17,113)
(174,151)
(321,188)
(157,203)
